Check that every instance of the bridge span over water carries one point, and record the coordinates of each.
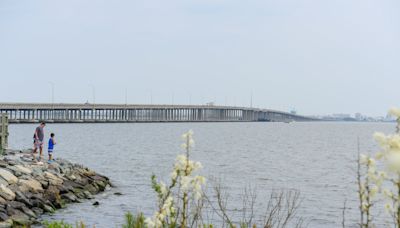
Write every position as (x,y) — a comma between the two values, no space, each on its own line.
(102,113)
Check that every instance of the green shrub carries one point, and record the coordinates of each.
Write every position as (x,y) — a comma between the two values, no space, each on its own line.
(132,221)
(56,224)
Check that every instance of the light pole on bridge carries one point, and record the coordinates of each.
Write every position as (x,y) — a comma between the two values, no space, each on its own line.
(94,95)
(52,93)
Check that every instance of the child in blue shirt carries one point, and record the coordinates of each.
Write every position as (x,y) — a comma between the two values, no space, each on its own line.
(52,142)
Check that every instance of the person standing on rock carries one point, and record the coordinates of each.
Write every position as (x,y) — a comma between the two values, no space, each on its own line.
(50,150)
(39,137)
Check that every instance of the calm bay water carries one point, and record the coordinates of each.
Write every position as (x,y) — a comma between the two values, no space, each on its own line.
(317,158)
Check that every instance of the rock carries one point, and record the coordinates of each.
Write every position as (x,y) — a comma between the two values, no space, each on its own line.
(15,205)
(55,167)
(81,181)
(11,211)
(37,171)
(71,177)
(3,182)
(37,203)
(52,194)
(23,169)
(6,193)
(92,188)
(33,185)
(29,212)
(101,185)
(64,189)
(88,195)
(71,185)
(3,216)
(8,176)
(69,197)
(44,183)
(3,164)
(2,201)
(29,188)
(21,219)
(80,195)
(12,162)
(37,211)
(53,180)
(96,203)
(6,224)
(48,208)
(20,197)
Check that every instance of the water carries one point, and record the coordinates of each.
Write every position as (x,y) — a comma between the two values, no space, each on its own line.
(316,158)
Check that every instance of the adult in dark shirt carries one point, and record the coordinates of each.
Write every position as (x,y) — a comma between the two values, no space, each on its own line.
(39,137)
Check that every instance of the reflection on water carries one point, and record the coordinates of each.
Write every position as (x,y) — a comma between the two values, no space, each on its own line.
(316,158)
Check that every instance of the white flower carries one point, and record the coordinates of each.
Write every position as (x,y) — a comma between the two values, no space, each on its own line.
(185,183)
(364,159)
(371,162)
(163,189)
(380,138)
(364,206)
(197,165)
(174,174)
(184,146)
(379,155)
(187,135)
(393,162)
(149,222)
(373,191)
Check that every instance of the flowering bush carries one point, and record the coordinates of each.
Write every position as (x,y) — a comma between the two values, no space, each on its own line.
(371,180)
(185,190)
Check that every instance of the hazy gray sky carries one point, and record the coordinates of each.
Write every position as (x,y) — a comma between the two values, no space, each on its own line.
(317,56)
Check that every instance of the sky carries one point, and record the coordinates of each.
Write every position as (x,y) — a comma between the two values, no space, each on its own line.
(313,56)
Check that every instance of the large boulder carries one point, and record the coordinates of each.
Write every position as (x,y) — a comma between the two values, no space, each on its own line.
(8,176)
(3,182)
(20,197)
(3,216)
(52,194)
(6,193)
(6,224)
(21,219)
(53,179)
(22,169)
(2,201)
(33,185)
(3,164)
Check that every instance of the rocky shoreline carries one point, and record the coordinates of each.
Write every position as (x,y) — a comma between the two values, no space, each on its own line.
(29,188)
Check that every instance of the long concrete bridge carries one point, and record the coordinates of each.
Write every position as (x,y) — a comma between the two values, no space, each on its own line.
(101,113)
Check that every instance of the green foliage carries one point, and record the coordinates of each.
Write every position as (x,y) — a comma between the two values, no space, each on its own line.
(56,224)
(80,225)
(62,224)
(156,186)
(132,221)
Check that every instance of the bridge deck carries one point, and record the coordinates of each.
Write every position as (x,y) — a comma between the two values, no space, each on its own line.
(60,112)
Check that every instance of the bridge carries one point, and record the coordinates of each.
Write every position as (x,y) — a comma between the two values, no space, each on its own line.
(104,113)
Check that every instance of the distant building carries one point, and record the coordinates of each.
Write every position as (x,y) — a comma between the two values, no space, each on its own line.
(341,116)
(358,116)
